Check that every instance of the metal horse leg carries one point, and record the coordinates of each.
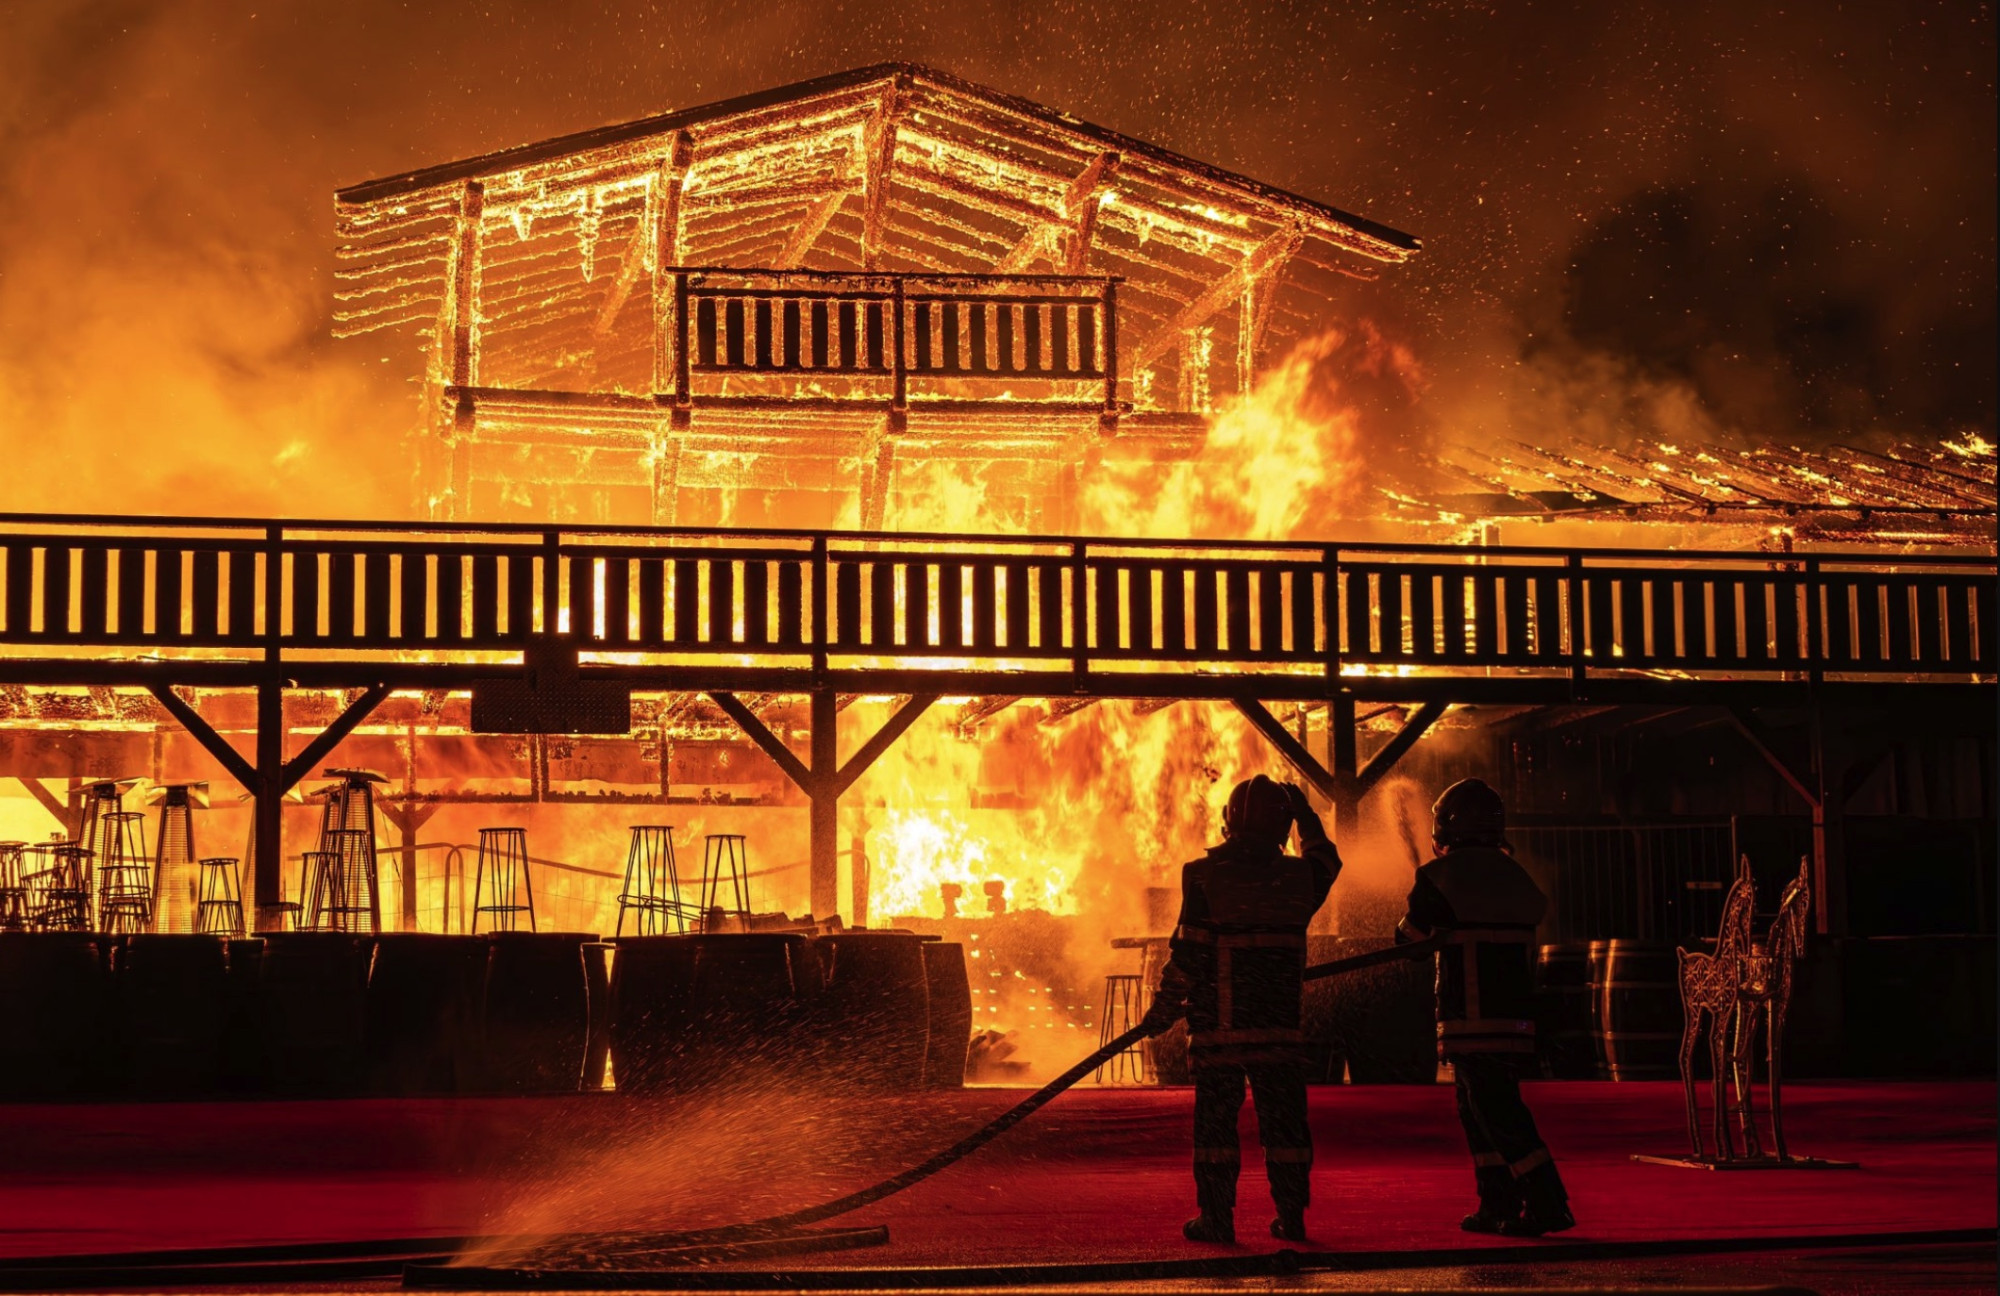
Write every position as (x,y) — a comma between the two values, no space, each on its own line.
(1776,1027)
(1690,1032)
(1745,1069)
(1718,1068)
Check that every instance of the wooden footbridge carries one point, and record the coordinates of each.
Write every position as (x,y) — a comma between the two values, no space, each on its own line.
(553,627)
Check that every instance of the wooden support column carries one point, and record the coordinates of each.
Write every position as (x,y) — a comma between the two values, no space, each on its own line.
(407,820)
(875,485)
(270,777)
(1343,785)
(457,361)
(665,235)
(823,778)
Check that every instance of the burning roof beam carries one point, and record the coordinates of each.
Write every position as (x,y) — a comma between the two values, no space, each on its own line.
(1267,256)
(1073,228)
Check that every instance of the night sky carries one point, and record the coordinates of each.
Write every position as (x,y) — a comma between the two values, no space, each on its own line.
(1738,221)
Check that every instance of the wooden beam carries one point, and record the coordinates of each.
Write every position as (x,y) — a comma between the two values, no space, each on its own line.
(1289,747)
(462,305)
(1078,220)
(1263,259)
(49,801)
(1747,725)
(1385,760)
(879,151)
(663,231)
(774,747)
(857,764)
(816,220)
(343,724)
(214,743)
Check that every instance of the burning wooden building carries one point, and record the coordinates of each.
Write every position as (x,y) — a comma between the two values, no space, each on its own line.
(799,306)
(786,410)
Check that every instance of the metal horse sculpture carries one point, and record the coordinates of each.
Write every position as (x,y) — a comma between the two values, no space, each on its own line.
(1712,984)
(1767,987)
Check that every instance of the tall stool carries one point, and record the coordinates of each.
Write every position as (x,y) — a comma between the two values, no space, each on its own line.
(350,808)
(501,888)
(124,875)
(652,888)
(319,892)
(58,883)
(724,853)
(14,913)
(218,909)
(1124,1004)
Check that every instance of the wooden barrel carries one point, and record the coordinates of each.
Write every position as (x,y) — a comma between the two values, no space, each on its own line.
(536,1020)
(1635,988)
(876,1010)
(689,1012)
(1384,1019)
(312,1012)
(1563,1018)
(950,1031)
(242,1066)
(54,1016)
(420,1032)
(597,999)
(173,1005)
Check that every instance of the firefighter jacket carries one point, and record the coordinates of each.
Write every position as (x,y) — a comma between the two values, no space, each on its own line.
(1239,951)
(1486,908)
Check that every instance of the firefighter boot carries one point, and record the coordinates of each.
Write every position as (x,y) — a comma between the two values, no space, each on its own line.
(1499,1201)
(1215,1193)
(1545,1205)
(1290,1190)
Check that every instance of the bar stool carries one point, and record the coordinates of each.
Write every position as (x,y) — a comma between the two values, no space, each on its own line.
(319,891)
(218,908)
(503,858)
(58,882)
(1124,1004)
(124,875)
(14,914)
(724,853)
(652,887)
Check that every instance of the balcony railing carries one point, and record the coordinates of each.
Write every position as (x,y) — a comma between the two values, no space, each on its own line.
(85,587)
(883,338)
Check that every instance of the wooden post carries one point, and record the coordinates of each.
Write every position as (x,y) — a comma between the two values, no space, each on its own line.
(858,879)
(1108,330)
(1346,763)
(461,362)
(824,826)
(268,855)
(669,314)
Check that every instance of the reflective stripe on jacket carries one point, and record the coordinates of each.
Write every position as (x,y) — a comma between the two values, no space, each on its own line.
(1239,950)
(1486,907)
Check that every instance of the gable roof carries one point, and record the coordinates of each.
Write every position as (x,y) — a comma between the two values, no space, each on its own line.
(1370,237)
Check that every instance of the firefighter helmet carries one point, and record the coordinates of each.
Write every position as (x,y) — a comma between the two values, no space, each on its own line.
(1469,813)
(1259,812)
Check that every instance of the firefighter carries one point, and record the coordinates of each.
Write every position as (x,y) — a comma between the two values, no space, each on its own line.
(1236,974)
(1485,907)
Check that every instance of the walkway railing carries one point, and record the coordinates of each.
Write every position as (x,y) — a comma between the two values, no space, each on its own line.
(83,586)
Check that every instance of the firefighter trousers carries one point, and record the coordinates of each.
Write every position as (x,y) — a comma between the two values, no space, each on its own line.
(1279,1092)
(1509,1160)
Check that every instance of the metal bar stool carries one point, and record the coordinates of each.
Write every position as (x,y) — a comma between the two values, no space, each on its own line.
(501,887)
(319,891)
(218,908)
(1125,1002)
(724,853)
(652,888)
(124,875)
(58,883)
(14,914)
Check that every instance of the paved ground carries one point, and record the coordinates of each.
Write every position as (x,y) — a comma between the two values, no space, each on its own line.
(1100,1175)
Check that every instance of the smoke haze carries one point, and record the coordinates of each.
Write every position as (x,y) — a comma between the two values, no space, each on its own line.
(1720,220)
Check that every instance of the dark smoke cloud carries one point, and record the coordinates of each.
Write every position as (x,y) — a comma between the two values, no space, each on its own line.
(1767,223)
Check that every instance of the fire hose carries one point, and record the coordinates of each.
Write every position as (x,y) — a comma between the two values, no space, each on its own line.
(1014,1115)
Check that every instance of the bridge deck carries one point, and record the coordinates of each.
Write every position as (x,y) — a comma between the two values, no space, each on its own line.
(196,600)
